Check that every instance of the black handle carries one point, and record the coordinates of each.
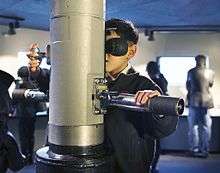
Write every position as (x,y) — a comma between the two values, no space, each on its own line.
(162,105)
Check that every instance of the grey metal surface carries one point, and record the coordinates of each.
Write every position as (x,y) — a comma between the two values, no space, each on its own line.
(76,135)
(77,40)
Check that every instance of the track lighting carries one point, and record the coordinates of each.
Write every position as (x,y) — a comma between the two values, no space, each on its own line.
(11,30)
(17,24)
(149,34)
(13,24)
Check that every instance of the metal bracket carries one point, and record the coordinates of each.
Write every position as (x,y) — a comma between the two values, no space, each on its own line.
(99,86)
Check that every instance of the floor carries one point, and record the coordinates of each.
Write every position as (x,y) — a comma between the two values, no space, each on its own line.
(179,163)
(174,163)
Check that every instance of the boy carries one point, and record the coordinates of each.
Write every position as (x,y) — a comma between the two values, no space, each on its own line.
(130,135)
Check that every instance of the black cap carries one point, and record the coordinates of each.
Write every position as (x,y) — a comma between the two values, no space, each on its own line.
(23,72)
(200,57)
(6,79)
(152,67)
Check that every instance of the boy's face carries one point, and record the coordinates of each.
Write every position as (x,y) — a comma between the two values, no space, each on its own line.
(115,64)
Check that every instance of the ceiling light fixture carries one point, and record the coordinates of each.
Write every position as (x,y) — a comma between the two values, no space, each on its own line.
(11,30)
(17,24)
(149,34)
(13,24)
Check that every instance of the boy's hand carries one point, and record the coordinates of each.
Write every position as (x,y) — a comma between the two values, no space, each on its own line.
(142,97)
(34,63)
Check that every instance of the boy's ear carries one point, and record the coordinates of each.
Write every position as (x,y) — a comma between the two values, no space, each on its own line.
(132,51)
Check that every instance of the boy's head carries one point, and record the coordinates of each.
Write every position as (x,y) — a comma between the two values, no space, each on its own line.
(121,39)
(23,73)
(200,60)
(125,29)
(152,68)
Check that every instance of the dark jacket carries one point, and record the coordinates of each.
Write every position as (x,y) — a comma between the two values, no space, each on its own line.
(10,156)
(42,77)
(161,81)
(5,100)
(28,108)
(199,82)
(130,134)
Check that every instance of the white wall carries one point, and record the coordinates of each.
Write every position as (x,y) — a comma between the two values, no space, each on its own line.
(165,44)
(11,45)
(182,44)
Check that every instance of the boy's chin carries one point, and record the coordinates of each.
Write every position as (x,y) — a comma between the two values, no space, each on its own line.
(107,70)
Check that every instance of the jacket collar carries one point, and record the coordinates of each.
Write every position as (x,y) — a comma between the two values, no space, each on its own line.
(129,70)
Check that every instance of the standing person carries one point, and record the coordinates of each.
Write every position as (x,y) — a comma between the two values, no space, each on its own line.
(130,135)
(154,73)
(26,111)
(157,77)
(32,78)
(10,155)
(199,81)
(40,75)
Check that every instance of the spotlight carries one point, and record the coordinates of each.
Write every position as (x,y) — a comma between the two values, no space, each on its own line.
(151,36)
(11,30)
(146,32)
(17,24)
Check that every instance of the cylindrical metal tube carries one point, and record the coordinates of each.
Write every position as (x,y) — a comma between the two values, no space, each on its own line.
(77,57)
(18,94)
(32,94)
(165,105)
(162,105)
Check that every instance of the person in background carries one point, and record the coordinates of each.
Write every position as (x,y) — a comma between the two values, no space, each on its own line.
(199,81)
(40,75)
(130,135)
(26,110)
(10,155)
(156,76)
(32,77)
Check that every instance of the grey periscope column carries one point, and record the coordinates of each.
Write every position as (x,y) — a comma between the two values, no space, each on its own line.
(75,134)
(77,37)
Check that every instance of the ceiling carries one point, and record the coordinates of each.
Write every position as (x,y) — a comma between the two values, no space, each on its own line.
(157,14)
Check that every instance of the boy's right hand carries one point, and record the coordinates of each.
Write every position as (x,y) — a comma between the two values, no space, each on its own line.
(142,97)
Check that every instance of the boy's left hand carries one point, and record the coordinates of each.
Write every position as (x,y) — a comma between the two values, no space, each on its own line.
(142,97)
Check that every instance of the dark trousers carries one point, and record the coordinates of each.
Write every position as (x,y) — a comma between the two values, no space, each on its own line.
(133,153)
(10,155)
(26,134)
(200,124)
(156,155)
